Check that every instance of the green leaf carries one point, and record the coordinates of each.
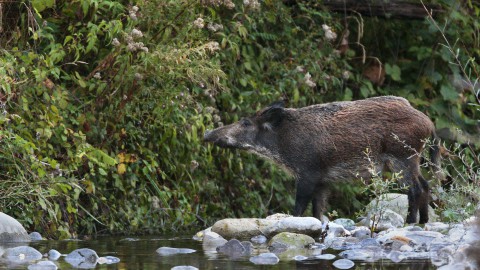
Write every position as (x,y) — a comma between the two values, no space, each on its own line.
(448,92)
(393,71)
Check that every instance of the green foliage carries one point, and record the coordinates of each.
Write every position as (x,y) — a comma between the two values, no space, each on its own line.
(104,103)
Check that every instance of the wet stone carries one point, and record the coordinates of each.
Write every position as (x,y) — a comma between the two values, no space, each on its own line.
(265,259)
(53,255)
(167,251)
(300,258)
(82,258)
(234,248)
(108,260)
(396,256)
(35,236)
(259,239)
(326,257)
(22,254)
(348,224)
(343,264)
(184,267)
(43,265)
(360,255)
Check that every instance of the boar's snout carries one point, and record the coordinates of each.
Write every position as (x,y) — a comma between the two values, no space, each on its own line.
(207,136)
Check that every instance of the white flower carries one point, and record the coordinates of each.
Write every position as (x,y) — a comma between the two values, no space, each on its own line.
(97,76)
(214,27)
(115,42)
(135,8)
(253,4)
(199,23)
(136,33)
(138,76)
(329,34)
(300,69)
(308,80)
(212,46)
(346,74)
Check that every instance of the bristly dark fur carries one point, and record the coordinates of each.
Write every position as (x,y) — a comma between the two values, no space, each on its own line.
(326,143)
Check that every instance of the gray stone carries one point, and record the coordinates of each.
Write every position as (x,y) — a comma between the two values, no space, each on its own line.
(413,228)
(287,240)
(259,239)
(397,203)
(265,259)
(43,265)
(201,234)
(168,251)
(11,230)
(359,255)
(389,219)
(301,225)
(35,236)
(184,267)
(300,258)
(22,254)
(335,230)
(241,228)
(108,260)
(212,240)
(82,258)
(419,237)
(326,257)
(396,256)
(457,234)
(343,264)
(348,224)
(233,248)
(361,232)
(53,254)
(369,243)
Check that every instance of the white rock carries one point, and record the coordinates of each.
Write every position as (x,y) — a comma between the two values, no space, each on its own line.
(326,257)
(241,228)
(167,251)
(343,264)
(265,259)
(302,225)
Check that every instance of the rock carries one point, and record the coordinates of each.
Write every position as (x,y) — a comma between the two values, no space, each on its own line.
(300,258)
(241,228)
(184,267)
(457,234)
(326,257)
(278,216)
(167,251)
(343,264)
(22,254)
(234,249)
(53,255)
(348,224)
(420,238)
(265,259)
(361,232)
(108,260)
(301,225)
(35,236)
(360,255)
(11,230)
(369,243)
(335,230)
(396,256)
(413,228)
(341,243)
(389,219)
(82,258)
(212,240)
(287,240)
(199,235)
(397,203)
(43,265)
(259,239)
(406,248)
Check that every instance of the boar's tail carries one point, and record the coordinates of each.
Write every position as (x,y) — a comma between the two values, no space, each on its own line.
(435,157)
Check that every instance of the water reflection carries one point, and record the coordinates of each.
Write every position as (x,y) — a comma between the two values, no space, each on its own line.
(140,253)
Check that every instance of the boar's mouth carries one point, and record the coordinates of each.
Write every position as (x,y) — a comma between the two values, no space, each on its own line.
(224,141)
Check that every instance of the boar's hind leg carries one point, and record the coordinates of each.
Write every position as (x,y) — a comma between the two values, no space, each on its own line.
(320,201)
(417,199)
(424,200)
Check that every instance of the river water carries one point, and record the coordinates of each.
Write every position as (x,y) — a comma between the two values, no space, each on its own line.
(140,253)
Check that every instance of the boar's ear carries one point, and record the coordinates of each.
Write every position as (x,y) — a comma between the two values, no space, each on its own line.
(272,115)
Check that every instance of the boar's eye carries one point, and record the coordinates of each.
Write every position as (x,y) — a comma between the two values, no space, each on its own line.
(245,122)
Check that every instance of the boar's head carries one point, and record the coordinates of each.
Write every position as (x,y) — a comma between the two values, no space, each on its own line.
(250,132)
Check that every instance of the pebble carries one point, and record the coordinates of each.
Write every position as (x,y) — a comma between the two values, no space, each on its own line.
(265,259)
(167,251)
(326,257)
(343,264)
(43,265)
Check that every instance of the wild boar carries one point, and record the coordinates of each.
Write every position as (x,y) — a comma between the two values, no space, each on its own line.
(326,143)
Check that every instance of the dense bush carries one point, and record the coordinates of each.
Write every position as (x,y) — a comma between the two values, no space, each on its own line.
(104,103)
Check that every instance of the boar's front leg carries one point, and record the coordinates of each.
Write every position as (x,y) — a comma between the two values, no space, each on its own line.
(305,193)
